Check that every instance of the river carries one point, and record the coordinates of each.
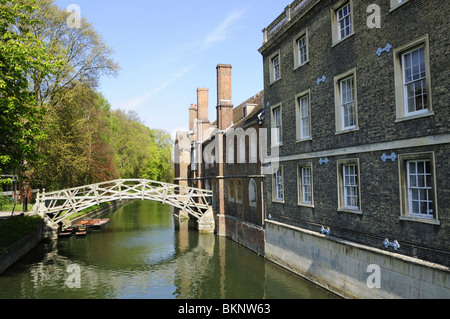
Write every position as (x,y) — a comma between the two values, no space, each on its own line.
(140,254)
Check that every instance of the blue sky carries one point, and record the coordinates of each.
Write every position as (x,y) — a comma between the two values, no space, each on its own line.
(167,49)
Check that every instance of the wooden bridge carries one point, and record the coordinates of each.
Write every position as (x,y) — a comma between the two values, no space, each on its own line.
(56,207)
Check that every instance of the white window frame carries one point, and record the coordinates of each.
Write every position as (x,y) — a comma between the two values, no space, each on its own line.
(305,185)
(344,22)
(422,78)
(348,109)
(342,101)
(277,125)
(278,185)
(301,42)
(303,119)
(275,68)
(412,189)
(350,185)
(401,102)
(348,188)
(337,21)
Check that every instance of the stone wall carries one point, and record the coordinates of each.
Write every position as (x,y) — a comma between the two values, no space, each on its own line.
(351,270)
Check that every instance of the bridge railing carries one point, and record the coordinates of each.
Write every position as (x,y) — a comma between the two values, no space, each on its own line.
(60,205)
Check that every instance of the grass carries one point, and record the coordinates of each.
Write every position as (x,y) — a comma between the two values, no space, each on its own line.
(15,228)
(87,210)
(18,209)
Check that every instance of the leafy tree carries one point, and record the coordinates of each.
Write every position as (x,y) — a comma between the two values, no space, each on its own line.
(22,55)
(77,149)
(86,58)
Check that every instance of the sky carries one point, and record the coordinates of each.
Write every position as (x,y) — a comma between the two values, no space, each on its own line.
(168,49)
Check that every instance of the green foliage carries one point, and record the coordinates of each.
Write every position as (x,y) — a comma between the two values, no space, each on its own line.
(54,123)
(140,152)
(21,55)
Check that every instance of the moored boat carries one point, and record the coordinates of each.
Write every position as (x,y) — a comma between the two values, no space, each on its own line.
(81,231)
(101,223)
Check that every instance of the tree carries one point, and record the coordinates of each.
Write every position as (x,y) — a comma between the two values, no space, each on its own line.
(77,150)
(86,58)
(21,56)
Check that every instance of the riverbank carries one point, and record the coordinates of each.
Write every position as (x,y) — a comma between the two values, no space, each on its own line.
(18,235)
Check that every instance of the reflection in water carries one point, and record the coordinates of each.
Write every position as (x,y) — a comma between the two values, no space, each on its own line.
(144,253)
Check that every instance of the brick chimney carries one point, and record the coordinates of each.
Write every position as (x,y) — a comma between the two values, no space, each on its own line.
(224,102)
(203,104)
(192,116)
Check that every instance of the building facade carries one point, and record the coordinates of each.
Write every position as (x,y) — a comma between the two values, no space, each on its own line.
(223,156)
(357,109)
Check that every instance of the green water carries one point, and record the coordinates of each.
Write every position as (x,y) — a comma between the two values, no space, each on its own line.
(140,254)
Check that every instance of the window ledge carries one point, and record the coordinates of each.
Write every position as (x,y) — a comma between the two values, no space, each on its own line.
(420,220)
(348,210)
(280,201)
(305,205)
(300,65)
(342,40)
(275,81)
(303,140)
(413,117)
(354,129)
(398,5)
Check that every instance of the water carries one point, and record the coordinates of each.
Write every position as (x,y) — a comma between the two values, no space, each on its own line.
(140,255)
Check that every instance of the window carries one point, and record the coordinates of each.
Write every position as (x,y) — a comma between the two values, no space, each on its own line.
(342,20)
(417,186)
(278,191)
(238,191)
(305,185)
(412,80)
(349,185)
(415,81)
(301,49)
(231,191)
(346,104)
(303,116)
(420,199)
(252,193)
(276,126)
(274,67)
(350,178)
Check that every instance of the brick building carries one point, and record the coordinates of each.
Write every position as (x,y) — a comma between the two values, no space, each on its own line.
(356,100)
(223,156)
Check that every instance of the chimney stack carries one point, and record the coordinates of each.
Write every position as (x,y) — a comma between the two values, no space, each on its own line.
(203,104)
(224,102)
(192,116)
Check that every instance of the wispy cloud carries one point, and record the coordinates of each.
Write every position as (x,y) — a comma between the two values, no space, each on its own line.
(223,31)
(136,102)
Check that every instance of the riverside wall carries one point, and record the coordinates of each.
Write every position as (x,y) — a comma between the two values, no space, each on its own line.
(16,251)
(353,270)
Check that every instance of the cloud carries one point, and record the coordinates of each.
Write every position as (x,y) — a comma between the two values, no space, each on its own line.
(136,102)
(223,31)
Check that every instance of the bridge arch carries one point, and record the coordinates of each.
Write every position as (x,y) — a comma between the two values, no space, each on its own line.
(56,207)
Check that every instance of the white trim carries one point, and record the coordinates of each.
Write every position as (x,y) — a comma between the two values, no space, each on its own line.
(414,142)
